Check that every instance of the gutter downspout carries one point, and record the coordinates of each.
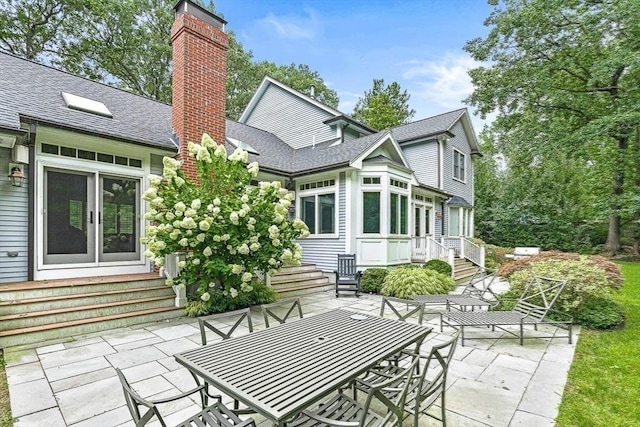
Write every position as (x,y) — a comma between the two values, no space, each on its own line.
(31,202)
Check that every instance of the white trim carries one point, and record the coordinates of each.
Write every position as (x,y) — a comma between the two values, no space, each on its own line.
(464,166)
(348,192)
(334,189)
(387,136)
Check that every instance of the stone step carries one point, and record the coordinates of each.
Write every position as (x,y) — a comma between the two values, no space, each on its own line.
(298,291)
(293,283)
(49,288)
(286,278)
(55,331)
(69,314)
(28,305)
(295,269)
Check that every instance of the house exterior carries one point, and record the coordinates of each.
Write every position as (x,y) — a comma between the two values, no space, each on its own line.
(85,149)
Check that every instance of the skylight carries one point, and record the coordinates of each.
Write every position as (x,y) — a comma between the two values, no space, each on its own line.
(239,144)
(85,104)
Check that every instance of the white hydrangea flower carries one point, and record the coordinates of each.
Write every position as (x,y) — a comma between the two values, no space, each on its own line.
(200,237)
(253,169)
(207,141)
(236,269)
(195,204)
(274,231)
(278,219)
(150,194)
(287,255)
(205,297)
(180,207)
(276,242)
(149,253)
(189,223)
(216,238)
(254,246)
(184,242)
(210,207)
(220,152)
(169,216)
(203,155)
(195,261)
(272,261)
(225,237)
(168,281)
(246,277)
(207,252)
(204,225)
(182,264)
(216,210)
(233,292)
(243,249)
(154,180)
(244,198)
(178,181)
(251,220)
(216,202)
(233,217)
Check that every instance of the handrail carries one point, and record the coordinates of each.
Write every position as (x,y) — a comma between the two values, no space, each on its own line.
(472,252)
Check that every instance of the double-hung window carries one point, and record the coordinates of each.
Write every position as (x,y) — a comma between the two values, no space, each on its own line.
(318,210)
(398,213)
(458,165)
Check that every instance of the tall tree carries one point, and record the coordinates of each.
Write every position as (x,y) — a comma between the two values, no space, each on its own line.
(384,106)
(564,73)
(34,29)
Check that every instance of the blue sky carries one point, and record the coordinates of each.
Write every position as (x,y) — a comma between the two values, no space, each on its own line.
(417,43)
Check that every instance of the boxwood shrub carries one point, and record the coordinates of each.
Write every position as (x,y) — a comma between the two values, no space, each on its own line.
(587,297)
(438,265)
(372,279)
(408,282)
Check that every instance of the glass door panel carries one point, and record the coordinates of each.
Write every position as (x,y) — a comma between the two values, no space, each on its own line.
(118,219)
(69,218)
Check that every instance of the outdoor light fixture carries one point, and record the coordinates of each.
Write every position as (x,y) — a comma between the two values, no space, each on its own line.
(16,176)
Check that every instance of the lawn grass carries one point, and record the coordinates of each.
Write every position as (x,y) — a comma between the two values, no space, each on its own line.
(603,388)
(5,408)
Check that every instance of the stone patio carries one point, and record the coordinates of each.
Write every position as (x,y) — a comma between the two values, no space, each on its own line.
(73,382)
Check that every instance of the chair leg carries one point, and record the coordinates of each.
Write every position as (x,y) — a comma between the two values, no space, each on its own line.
(442,408)
(521,334)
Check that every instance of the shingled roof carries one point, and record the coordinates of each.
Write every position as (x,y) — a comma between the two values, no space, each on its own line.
(34,91)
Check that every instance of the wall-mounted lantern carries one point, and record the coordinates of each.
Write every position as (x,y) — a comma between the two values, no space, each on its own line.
(16,176)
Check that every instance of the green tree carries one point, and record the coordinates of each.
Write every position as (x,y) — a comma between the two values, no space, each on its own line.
(564,77)
(384,106)
(34,29)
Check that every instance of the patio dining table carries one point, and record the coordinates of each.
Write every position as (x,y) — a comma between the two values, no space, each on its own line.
(280,371)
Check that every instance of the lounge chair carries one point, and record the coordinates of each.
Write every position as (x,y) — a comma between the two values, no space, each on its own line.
(531,308)
(477,293)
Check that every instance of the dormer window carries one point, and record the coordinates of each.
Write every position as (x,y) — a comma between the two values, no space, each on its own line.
(87,105)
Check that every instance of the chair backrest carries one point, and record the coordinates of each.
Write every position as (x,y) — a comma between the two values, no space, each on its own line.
(392,393)
(224,329)
(480,285)
(433,374)
(134,402)
(539,296)
(403,309)
(274,311)
(347,265)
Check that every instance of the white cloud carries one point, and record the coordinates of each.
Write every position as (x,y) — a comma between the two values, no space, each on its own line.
(443,81)
(293,27)
(348,100)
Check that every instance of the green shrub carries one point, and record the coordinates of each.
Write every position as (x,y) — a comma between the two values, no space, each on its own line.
(438,265)
(408,282)
(600,313)
(587,297)
(495,256)
(221,301)
(372,279)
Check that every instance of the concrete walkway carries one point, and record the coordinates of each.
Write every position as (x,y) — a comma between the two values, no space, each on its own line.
(73,382)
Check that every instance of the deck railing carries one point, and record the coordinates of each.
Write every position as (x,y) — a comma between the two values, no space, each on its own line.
(426,248)
(472,252)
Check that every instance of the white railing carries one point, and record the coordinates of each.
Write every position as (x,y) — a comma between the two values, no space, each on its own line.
(426,248)
(472,252)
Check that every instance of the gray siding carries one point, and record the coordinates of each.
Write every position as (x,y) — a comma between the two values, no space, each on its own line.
(423,159)
(322,252)
(350,135)
(450,185)
(14,223)
(290,118)
(156,166)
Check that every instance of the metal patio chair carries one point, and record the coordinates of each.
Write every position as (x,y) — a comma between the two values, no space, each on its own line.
(403,309)
(341,410)
(274,310)
(347,275)
(531,308)
(214,323)
(427,388)
(214,415)
(476,293)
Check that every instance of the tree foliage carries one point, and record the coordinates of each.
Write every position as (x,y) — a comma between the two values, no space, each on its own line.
(564,77)
(383,106)
(126,43)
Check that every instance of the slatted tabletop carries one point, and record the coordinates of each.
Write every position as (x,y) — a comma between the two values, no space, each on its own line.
(282,370)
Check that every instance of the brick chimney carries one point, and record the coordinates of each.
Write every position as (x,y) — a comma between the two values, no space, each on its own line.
(199,77)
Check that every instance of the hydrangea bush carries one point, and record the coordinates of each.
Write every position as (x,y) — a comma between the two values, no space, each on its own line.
(228,230)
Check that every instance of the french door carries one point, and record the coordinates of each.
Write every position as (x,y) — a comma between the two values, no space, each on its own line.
(88,223)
